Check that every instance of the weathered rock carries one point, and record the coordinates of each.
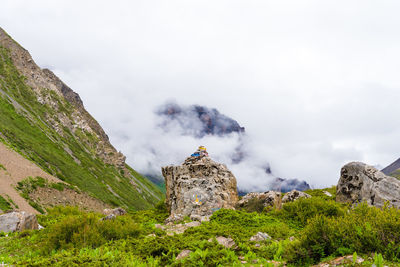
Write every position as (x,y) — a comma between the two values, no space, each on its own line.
(18,221)
(199,186)
(360,182)
(184,253)
(224,241)
(268,199)
(294,195)
(179,228)
(327,193)
(341,261)
(109,217)
(116,211)
(260,236)
(174,218)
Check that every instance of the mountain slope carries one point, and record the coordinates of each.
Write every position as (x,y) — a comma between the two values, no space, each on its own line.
(393,169)
(46,122)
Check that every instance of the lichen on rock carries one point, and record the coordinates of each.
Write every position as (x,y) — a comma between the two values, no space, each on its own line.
(360,182)
(199,187)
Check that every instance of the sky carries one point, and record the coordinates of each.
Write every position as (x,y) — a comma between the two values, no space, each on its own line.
(315,83)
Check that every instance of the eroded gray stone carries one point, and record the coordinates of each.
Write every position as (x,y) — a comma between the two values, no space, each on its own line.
(360,182)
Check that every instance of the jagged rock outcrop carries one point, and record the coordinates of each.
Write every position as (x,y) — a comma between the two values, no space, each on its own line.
(294,195)
(199,187)
(18,221)
(360,182)
(43,81)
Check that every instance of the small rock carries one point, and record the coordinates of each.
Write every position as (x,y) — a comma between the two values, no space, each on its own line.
(294,195)
(291,238)
(116,211)
(243,262)
(260,236)
(109,217)
(184,253)
(159,226)
(226,242)
(18,221)
(151,235)
(327,193)
(269,198)
(257,245)
(173,218)
(192,224)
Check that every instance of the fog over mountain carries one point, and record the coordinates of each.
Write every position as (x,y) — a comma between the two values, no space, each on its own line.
(314,83)
(226,140)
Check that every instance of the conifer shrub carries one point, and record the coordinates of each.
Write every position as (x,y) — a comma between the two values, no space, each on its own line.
(88,230)
(363,229)
(304,209)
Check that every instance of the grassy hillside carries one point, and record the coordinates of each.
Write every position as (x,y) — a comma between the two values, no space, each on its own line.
(68,155)
(303,233)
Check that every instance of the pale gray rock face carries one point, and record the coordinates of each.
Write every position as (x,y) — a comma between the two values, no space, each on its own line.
(260,236)
(224,241)
(360,182)
(294,195)
(183,254)
(115,212)
(269,198)
(18,221)
(199,187)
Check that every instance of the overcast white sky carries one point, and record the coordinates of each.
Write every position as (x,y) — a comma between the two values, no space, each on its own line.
(315,83)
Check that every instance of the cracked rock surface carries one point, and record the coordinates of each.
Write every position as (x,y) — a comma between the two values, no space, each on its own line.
(360,182)
(199,187)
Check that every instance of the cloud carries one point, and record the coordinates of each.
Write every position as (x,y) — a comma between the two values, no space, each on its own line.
(314,83)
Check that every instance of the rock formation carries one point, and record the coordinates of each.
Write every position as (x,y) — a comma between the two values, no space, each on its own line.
(267,199)
(41,80)
(294,195)
(360,182)
(18,221)
(199,187)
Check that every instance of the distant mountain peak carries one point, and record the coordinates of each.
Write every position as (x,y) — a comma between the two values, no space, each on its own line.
(197,120)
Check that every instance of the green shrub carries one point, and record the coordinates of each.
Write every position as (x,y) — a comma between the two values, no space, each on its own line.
(88,230)
(364,229)
(304,209)
(4,204)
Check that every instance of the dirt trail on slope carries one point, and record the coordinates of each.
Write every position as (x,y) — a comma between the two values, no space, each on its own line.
(17,168)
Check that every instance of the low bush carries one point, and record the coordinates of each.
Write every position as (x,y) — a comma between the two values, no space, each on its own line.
(304,209)
(364,229)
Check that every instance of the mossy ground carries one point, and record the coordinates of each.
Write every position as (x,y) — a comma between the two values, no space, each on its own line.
(303,233)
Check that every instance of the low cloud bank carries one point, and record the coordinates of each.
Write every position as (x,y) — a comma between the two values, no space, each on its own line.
(178,130)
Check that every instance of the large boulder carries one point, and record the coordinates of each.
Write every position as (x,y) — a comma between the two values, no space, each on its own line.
(18,221)
(360,182)
(199,187)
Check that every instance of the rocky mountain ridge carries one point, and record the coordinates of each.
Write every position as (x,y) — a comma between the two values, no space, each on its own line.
(45,121)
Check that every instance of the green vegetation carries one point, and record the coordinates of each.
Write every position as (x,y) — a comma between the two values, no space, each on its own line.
(303,233)
(23,127)
(4,204)
(29,184)
(2,167)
